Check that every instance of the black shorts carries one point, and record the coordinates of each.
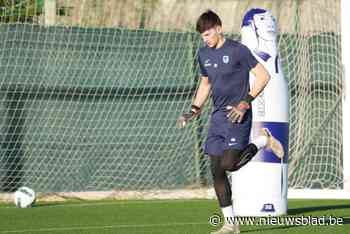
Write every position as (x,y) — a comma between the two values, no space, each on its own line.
(223,134)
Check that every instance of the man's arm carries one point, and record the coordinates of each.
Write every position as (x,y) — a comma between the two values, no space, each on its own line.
(262,77)
(202,92)
(199,100)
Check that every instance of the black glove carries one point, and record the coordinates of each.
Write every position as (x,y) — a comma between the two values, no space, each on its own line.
(237,112)
(187,117)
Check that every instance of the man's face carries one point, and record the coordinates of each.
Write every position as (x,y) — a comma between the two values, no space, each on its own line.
(211,36)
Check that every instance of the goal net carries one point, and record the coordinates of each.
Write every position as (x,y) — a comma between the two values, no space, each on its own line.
(90,92)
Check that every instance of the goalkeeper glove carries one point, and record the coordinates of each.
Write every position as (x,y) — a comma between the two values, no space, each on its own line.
(187,117)
(237,113)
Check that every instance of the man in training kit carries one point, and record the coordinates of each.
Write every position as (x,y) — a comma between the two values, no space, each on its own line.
(225,65)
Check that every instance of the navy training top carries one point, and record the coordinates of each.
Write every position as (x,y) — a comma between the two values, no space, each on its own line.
(228,69)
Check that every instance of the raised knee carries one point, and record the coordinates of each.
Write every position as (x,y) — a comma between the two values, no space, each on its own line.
(230,160)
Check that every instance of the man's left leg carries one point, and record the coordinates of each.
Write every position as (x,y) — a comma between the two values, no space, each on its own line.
(234,159)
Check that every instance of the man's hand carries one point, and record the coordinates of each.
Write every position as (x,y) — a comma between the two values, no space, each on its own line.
(237,113)
(187,117)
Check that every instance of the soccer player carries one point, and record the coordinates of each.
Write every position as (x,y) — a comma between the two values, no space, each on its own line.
(225,66)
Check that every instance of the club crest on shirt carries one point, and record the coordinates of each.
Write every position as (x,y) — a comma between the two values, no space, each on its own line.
(225,59)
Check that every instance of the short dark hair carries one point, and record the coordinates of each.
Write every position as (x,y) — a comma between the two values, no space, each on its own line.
(207,20)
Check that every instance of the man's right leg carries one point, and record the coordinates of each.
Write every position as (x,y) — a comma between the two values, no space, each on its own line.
(221,183)
(223,192)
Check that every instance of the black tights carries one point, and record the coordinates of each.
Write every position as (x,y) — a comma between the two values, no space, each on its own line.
(231,160)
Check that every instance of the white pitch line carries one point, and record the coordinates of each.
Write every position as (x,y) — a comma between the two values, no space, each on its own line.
(101,227)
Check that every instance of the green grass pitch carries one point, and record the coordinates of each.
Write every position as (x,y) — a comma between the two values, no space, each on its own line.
(156,217)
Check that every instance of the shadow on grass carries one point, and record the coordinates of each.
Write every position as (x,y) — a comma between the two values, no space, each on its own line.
(300,211)
(37,205)
(295,211)
(303,210)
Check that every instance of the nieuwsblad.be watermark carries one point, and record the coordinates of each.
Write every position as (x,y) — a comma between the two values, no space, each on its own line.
(330,220)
